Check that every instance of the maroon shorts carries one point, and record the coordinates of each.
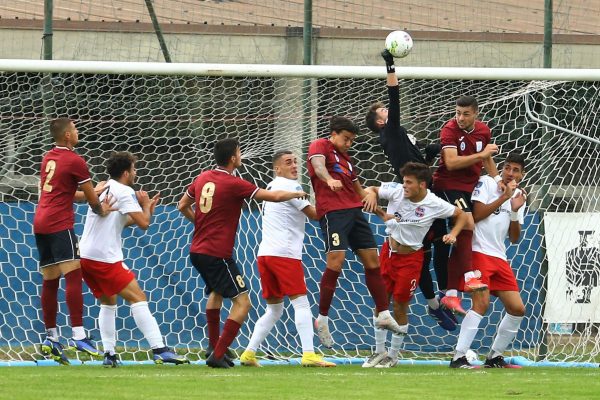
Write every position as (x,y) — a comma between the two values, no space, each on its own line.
(281,276)
(106,279)
(495,272)
(402,275)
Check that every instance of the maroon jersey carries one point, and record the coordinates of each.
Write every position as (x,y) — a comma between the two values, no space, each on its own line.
(219,197)
(465,143)
(339,167)
(62,172)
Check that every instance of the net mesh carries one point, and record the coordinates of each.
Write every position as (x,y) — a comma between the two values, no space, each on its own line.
(171,122)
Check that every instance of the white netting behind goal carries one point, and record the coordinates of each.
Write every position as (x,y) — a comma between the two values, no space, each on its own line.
(171,122)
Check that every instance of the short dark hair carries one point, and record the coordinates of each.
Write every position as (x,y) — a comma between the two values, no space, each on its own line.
(119,162)
(224,150)
(418,170)
(279,154)
(339,124)
(58,127)
(371,117)
(467,101)
(516,158)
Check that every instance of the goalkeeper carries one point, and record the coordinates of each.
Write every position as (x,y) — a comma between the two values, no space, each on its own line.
(401,147)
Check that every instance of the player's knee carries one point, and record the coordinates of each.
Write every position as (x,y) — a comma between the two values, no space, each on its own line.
(275,311)
(480,303)
(242,302)
(516,310)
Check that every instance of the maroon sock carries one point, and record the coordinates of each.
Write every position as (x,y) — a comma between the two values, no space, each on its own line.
(74,296)
(461,259)
(455,273)
(327,288)
(376,287)
(213,320)
(50,302)
(230,331)
(464,250)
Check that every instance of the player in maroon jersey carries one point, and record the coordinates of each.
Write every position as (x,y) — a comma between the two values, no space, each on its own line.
(339,200)
(218,197)
(62,172)
(466,149)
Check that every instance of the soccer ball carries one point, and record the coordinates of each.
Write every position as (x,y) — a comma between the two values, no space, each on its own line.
(399,43)
(471,356)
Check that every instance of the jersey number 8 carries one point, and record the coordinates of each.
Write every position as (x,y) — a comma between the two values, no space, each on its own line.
(206,197)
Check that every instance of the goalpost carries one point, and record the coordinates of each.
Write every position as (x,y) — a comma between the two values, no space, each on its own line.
(170,115)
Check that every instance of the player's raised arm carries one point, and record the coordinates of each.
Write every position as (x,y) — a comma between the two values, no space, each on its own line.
(318,163)
(101,208)
(142,219)
(481,210)
(453,161)
(311,212)
(278,195)
(460,218)
(99,188)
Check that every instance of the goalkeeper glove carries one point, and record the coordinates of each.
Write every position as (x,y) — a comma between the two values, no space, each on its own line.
(389,61)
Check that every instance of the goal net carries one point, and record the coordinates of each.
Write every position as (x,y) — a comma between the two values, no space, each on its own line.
(171,122)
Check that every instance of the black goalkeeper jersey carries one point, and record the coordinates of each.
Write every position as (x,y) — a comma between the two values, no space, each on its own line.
(394,139)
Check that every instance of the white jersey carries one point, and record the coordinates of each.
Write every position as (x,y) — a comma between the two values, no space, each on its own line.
(101,240)
(283,223)
(491,232)
(415,219)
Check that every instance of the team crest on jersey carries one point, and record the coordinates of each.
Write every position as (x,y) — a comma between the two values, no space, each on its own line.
(420,211)
(479,184)
(478,146)
(463,146)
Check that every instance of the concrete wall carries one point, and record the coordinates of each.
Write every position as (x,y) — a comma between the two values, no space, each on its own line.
(284,46)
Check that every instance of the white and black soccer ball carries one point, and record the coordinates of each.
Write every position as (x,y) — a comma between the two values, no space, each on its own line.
(399,43)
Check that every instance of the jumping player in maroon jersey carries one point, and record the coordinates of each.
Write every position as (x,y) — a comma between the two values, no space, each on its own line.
(218,197)
(62,172)
(339,199)
(466,149)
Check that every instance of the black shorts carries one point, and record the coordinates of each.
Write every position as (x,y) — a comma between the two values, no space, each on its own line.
(221,275)
(460,199)
(57,247)
(346,228)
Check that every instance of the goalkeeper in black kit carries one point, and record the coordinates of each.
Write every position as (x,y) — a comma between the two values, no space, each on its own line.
(401,147)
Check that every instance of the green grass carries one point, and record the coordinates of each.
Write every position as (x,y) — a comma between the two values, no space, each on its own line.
(294,382)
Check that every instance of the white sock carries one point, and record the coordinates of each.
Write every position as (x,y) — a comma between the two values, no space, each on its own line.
(52,334)
(147,324)
(303,320)
(507,330)
(452,292)
(264,325)
(468,329)
(380,337)
(397,340)
(107,325)
(434,303)
(469,275)
(78,332)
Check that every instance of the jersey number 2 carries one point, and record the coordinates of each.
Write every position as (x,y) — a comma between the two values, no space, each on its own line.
(50,169)
(206,197)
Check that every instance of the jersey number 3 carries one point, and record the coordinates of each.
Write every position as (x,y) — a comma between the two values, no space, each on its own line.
(50,169)
(206,197)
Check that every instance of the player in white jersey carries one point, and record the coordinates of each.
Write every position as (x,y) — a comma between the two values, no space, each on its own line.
(411,210)
(280,263)
(497,213)
(102,260)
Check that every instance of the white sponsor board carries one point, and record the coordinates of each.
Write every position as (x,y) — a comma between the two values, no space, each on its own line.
(573,248)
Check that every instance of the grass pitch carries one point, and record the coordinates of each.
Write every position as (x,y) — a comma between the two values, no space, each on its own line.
(294,382)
